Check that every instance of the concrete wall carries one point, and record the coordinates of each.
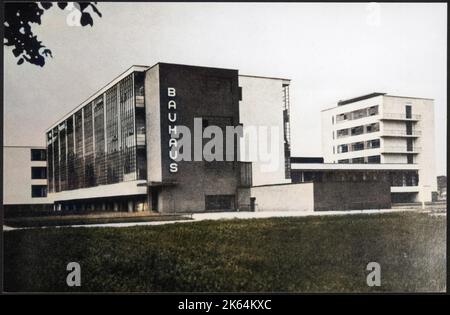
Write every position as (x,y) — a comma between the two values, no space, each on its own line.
(17,180)
(351,195)
(262,106)
(293,197)
(200,92)
(129,188)
(322,196)
(152,121)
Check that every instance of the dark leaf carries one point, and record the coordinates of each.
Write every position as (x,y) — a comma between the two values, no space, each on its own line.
(62,5)
(82,5)
(86,19)
(16,52)
(19,18)
(46,5)
(47,52)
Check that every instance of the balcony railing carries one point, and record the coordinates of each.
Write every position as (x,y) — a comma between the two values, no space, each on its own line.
(399,149)
(401,133)
(399,116)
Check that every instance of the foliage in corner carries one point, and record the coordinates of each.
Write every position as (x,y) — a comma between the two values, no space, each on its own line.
(18,33)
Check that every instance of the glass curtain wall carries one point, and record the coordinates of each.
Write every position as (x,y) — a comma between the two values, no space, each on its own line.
(103,142)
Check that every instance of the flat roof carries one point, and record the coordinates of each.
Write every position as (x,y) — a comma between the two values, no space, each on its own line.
(354,99)
(371,95)
(350,167)
(100,91)
(131,69)
(263,77)
(414,97)
(359,98)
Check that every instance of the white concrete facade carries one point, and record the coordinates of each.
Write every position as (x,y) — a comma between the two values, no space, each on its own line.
(288,197)
(128,188)
(394,129)
(17,181)
(261,106)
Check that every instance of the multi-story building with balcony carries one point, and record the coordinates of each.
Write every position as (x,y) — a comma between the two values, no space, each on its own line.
(380,128)
(114,151)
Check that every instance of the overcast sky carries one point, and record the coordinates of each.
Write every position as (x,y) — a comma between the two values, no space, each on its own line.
(330,51)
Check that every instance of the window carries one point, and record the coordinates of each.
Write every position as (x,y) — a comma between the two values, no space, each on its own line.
(342,148)
(408,128)
(357,146)
(408,111)
(38,155)
(359,113)
(356,114)
(404,179)
(344,161)
(139,89)
(342,117)
(415,179)
(373,144)
(373,110)
(140,131)
(396,179)
(409,145)
(410,159)
(357,130)
(332,120)
(342,133)
(240,93)
(374,159)
(38,191)
(38,173)
(359,160)
(373,127)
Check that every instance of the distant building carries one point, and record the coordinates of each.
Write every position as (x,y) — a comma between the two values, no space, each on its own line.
(383,129)
(25,178)
(442,187)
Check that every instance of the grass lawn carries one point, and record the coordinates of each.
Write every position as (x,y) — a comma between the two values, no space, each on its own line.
(80,220)
(307,254)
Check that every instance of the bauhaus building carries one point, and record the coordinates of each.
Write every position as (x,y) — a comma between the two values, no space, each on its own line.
(112,152)
(115,151)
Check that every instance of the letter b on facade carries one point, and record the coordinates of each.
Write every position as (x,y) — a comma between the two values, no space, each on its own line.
(171,91)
